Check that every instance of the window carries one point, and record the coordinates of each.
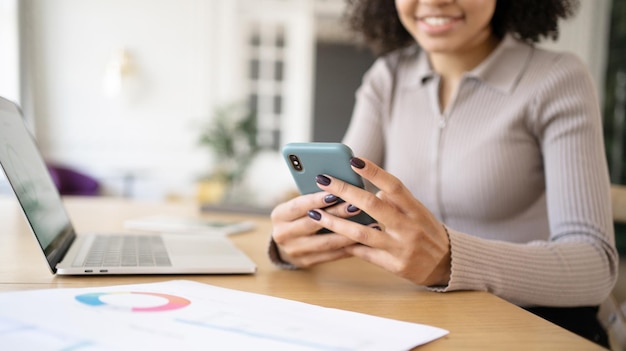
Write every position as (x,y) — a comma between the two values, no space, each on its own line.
(266,65)
(275,72)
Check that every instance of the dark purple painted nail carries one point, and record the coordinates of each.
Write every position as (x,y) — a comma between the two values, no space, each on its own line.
(330,198)
(357,162)
(352,208)
(322,179)
(315,215)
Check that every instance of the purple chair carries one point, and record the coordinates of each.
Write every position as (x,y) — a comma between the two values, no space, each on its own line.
(71,182)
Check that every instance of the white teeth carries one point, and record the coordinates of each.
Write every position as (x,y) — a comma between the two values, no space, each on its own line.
(437,21)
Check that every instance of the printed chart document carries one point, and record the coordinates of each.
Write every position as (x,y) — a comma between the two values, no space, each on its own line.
(186,315)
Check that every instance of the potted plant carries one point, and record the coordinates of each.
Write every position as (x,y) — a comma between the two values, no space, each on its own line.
(231,137)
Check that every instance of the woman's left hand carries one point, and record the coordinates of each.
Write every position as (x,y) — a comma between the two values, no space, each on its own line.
(410,242)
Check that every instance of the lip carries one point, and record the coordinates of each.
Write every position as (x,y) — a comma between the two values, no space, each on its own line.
(438,24)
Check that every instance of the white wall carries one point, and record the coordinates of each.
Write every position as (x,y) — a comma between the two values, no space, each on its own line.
(9,46)
(152,134)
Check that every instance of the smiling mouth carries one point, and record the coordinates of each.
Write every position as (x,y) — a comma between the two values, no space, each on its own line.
(437,21)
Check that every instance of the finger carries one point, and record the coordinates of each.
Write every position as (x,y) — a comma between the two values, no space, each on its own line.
(343,210)
(358,197)
(298,207)
(285,232)
(390,186)
(347,211)
(366,235)
(317,258)
(316,243)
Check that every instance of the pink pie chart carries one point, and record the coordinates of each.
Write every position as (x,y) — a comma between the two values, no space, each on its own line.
(145,301)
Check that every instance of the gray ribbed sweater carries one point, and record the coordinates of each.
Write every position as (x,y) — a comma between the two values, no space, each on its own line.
(515,168)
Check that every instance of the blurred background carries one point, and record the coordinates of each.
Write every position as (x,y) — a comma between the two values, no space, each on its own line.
(165,99)
(191,100)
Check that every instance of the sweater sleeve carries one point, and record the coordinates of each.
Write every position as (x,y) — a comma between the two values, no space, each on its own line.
(577,265)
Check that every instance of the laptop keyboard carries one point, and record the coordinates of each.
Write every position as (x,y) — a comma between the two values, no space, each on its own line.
(127,251)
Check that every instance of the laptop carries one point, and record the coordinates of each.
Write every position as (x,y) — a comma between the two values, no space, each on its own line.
(99,253)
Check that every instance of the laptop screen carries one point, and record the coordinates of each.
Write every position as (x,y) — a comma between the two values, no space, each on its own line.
(30,180)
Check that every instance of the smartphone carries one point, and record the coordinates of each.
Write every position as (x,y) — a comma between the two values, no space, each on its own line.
(307,160)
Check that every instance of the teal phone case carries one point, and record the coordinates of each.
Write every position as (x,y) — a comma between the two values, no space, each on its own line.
(322,158)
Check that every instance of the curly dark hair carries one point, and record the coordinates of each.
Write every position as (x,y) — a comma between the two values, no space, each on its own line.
(377,21)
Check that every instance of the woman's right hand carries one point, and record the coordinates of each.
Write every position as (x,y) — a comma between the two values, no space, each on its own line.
(295,234)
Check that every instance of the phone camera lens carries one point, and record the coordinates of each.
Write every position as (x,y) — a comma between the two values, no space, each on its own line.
(295,162)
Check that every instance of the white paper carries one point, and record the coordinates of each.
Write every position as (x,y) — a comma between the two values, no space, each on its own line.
(172,224)
(186,315)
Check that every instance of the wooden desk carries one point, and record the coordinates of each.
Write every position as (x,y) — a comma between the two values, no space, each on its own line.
(476,320)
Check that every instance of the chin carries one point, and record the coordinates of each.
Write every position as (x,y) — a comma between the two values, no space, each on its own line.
(439,45)
(438,49)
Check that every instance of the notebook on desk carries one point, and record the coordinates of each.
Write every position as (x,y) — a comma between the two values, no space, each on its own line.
(99,253)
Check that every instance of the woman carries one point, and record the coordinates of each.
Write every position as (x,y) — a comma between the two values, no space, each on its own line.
(492,169)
